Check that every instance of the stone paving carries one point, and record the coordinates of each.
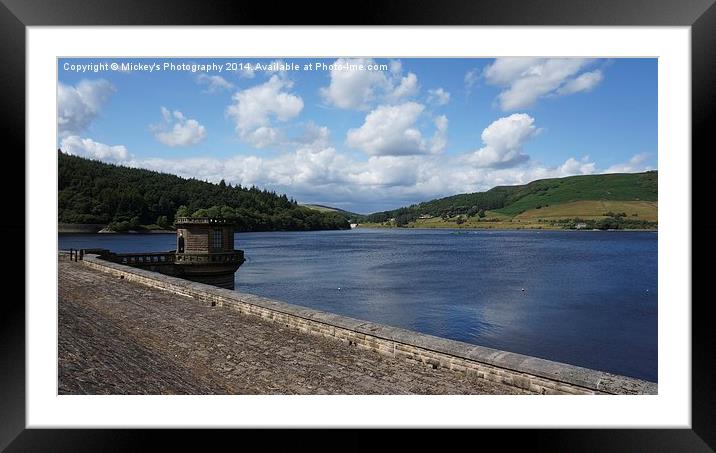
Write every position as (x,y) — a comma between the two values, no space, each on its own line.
(119,337)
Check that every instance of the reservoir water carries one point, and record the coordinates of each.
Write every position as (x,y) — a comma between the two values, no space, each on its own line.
(584,298)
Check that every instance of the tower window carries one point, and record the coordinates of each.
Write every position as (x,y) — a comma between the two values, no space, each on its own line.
(217,239)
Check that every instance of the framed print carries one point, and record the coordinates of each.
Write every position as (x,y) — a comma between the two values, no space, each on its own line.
(447,216)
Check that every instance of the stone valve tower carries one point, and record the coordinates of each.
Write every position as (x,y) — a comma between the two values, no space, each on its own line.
(205,251)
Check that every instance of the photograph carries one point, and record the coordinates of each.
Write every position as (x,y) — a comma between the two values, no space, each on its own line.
(357,225)
(444,216)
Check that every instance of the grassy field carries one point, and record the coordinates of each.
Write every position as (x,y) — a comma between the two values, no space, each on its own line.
(642,210)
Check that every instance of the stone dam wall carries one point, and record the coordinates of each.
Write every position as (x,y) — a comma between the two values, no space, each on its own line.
(529,374)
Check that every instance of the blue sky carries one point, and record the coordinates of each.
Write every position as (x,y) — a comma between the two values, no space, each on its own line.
(363,134)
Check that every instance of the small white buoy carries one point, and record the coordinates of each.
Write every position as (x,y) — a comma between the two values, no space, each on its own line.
(339,288)
(523,289)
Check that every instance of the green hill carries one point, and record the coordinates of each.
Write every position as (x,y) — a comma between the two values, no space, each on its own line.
(612,187)
(93,192)
(504,203)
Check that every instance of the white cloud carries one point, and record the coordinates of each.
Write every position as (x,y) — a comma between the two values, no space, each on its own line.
(438,96)
(439,141)
(503,141)
(214,83)
(471,78)
(262,137)
(352,88)
(79,105)
(635,164)
(246,72)
(390,130)
(86,147)
(312,168)
(573,166)
(525,80)
(177,130)
(386,171)
(585,82)
(254,109)
(504,71)
(314,137)
(407,87)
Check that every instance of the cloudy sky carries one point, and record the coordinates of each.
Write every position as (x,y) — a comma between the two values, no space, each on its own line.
(363,134)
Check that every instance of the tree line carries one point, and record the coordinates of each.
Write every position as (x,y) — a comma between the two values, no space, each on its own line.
(474,204)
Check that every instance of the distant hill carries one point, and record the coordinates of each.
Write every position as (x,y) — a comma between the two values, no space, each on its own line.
(612,187)
(582,197)
(347,214)
(93,192)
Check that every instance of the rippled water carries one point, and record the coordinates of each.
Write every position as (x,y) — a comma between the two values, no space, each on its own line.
(589,299)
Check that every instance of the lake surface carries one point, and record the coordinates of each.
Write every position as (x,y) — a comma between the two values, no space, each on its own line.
(589,299)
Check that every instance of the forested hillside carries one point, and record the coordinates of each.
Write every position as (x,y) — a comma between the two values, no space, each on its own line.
(92,192)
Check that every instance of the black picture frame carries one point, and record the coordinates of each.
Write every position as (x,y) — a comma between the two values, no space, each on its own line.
(16,15)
